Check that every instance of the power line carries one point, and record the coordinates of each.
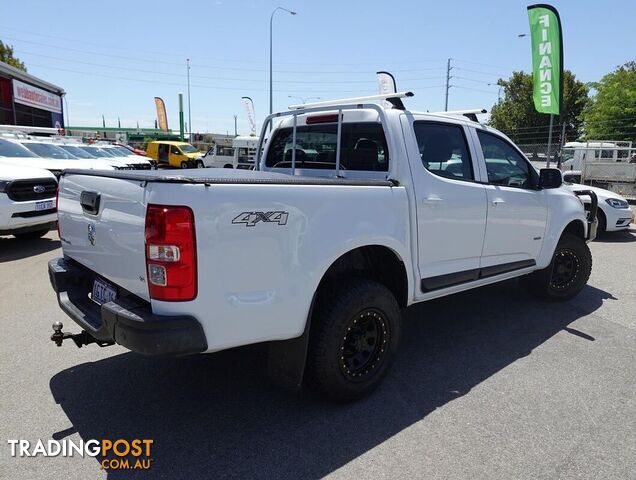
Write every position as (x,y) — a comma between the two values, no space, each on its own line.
(479,63)
(215,77)
(221,59)
(473,80)
(243,89)
(481,72)
(216,67)
(475,89)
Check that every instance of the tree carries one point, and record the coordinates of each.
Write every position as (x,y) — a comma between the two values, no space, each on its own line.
(6,56)
(516,116)
(611,112)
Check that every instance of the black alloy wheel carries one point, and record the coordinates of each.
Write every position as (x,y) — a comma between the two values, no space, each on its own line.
(565,270)
(364,344)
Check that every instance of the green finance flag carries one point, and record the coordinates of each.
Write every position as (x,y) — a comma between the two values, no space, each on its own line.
(547,58)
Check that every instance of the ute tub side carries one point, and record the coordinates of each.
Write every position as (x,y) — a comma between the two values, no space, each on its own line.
(262,249)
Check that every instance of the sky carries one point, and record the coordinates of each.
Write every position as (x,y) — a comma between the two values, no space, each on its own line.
(112,58)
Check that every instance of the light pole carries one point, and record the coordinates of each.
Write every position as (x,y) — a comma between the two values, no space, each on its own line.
(271,22)
(498,91)
(303,99)
(189,112)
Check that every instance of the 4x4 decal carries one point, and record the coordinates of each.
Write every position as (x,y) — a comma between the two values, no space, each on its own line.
(252,218)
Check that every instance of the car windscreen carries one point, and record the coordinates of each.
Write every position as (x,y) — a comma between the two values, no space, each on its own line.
(10,149)
(188,149)
(123,151)
(108,151)
(48,151)
(96,152)
(76,151)
(568,154)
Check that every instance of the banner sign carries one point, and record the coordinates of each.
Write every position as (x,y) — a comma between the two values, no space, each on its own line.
(162,117)
(386,84)
(36,97)
(547,58)
(248,103)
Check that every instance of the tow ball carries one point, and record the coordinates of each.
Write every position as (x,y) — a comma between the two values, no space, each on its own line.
(80,339)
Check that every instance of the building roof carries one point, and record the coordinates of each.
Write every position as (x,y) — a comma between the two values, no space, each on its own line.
(6,69)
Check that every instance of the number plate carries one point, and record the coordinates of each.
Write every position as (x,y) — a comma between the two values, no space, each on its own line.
(46,205)
(103,292)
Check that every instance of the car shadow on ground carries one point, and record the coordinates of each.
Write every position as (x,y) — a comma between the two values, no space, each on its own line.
(624,236)
(12,249)
(217,415)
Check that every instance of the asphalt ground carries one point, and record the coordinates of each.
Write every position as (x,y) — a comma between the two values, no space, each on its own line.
(488,384)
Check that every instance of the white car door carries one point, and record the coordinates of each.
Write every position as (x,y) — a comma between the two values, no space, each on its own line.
(517,209)
(451,206)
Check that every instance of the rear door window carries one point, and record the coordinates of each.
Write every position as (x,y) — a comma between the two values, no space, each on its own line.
(363,147)
(443,150)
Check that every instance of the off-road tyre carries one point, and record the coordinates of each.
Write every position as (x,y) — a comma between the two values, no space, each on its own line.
(354,335)
(567,273)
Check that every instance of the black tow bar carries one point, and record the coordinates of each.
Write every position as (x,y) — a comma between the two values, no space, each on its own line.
(80,339)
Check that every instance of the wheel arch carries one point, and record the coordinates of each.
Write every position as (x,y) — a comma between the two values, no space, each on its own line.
(575,227)
(287,358)
(377,262)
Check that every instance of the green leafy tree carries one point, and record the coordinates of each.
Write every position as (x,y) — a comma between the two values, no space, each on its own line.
(516,116)
(6,56)
(611,112)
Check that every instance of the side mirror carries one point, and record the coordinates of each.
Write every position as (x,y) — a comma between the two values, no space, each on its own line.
(550,178)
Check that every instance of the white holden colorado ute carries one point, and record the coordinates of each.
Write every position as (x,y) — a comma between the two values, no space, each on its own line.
(354,211)
(27,201)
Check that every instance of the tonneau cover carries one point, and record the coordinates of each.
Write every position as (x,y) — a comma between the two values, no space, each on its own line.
(227,176)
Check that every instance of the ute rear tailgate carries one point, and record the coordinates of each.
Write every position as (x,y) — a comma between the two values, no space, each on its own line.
(101,223)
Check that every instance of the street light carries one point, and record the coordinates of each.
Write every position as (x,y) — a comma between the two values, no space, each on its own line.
(189,112)
(303,99)
(498,91)
(271,22)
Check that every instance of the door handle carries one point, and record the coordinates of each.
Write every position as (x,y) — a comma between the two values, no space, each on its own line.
(432,200)
(90,202)
(498,201)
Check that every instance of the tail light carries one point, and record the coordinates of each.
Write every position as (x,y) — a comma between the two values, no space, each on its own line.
(171,262)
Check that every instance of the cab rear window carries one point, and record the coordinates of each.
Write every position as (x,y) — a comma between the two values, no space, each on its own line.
(363,147)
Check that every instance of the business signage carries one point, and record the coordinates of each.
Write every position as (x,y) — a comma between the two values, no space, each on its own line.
(547,58)
(162,117)
(248,104)
(36,97)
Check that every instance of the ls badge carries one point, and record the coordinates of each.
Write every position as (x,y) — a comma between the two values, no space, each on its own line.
(91,233)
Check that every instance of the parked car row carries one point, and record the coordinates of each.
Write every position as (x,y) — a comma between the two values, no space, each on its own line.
(29,168)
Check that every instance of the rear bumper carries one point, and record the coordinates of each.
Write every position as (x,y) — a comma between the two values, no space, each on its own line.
(128,320)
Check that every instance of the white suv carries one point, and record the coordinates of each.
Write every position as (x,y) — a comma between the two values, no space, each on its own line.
(27,201)
(52,151)
(12,152)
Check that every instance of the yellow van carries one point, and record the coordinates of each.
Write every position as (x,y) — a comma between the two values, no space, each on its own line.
(174,154)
